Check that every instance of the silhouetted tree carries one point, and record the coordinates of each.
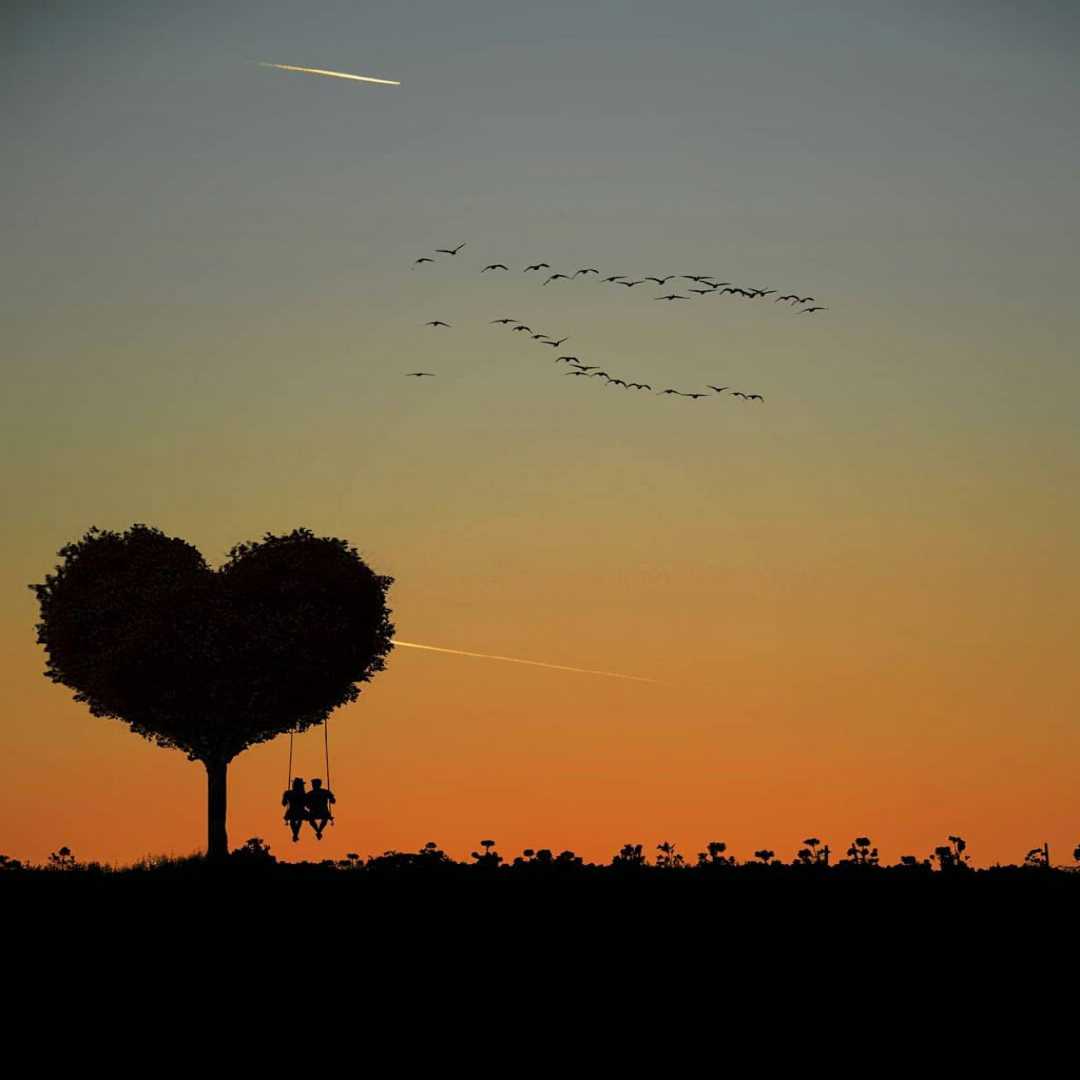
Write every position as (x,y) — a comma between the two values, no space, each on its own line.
(208,662)
(861,854)
(713,855)
(812,854)
(669,858)
(765,856)
(1038,857)
(254,850)
(490,858)
(630,856)
(8,863)
(62,859)
(1076,854)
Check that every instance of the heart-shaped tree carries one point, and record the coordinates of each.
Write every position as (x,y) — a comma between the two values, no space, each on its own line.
(212,662)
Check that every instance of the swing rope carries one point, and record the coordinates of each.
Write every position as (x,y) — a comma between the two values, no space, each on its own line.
(326,755)
(326,752)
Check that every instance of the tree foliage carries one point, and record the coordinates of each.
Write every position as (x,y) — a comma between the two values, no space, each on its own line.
(211,662)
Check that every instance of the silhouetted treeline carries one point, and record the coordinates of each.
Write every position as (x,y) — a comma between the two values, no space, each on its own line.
(815,859)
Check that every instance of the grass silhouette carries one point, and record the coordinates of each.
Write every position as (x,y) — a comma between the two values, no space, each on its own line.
(254,859)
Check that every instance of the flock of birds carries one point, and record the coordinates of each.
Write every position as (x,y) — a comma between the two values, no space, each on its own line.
(703,285)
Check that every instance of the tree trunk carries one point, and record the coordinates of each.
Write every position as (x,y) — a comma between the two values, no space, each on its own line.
(217,839)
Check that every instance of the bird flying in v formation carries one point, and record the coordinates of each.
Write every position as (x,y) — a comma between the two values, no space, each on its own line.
(710,285)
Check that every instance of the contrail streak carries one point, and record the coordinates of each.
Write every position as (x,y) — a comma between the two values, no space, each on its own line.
(518,660)
(332,74)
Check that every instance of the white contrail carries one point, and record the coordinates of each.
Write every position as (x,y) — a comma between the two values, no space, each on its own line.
(518,660)
(332,74)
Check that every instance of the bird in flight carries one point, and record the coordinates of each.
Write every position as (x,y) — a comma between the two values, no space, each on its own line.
(537,266)
(586,367)
(631,284)
(701,292)
(616,382)
(555,277)
(494,266)
(718,389)
(790,296)
(660,393)
(503,320)
(755,397)
(537,337)
(437,322)
(695,396)
(587,270)
(449,251)
(423,258)
(811,310)
(419,374)
(660,280)
(524,327)
(617,277)
(568,359)
(638,386)
(579,371)
(671,296)
(556,344)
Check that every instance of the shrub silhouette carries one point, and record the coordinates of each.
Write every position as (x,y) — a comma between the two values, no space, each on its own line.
(812,854)
(713,855)
(1037,857)
(210,663)
(630,857)
(669,858)
(911,862)
(489,859)
(861,853)
(1076,854)
(255,850)
(951,856)
(62,859)
(544,862)
(429,859)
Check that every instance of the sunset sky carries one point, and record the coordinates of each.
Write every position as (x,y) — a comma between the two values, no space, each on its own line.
(859,598)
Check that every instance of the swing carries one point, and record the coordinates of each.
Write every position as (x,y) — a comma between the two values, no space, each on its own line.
(326,755)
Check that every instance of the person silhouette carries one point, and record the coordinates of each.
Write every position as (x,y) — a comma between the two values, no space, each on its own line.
(318,806)
(295,802)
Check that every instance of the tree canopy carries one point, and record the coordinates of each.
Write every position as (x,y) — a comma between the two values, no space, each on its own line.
(211,662)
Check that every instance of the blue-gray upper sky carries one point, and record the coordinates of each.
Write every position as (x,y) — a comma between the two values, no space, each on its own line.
(208,303)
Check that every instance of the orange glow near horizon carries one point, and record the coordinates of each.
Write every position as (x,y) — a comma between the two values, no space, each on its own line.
(848,609)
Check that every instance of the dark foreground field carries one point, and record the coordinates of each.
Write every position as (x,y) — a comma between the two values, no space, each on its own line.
(553,911)
(947,869)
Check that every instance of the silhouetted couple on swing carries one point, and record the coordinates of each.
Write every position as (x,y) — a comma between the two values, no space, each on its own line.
(311,806)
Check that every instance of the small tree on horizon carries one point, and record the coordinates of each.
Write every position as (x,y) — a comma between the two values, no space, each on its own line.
(212,662)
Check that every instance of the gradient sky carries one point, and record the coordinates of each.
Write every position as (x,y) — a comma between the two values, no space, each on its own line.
(863,594)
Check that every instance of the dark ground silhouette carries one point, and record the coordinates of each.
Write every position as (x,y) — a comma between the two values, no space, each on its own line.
(949,864)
